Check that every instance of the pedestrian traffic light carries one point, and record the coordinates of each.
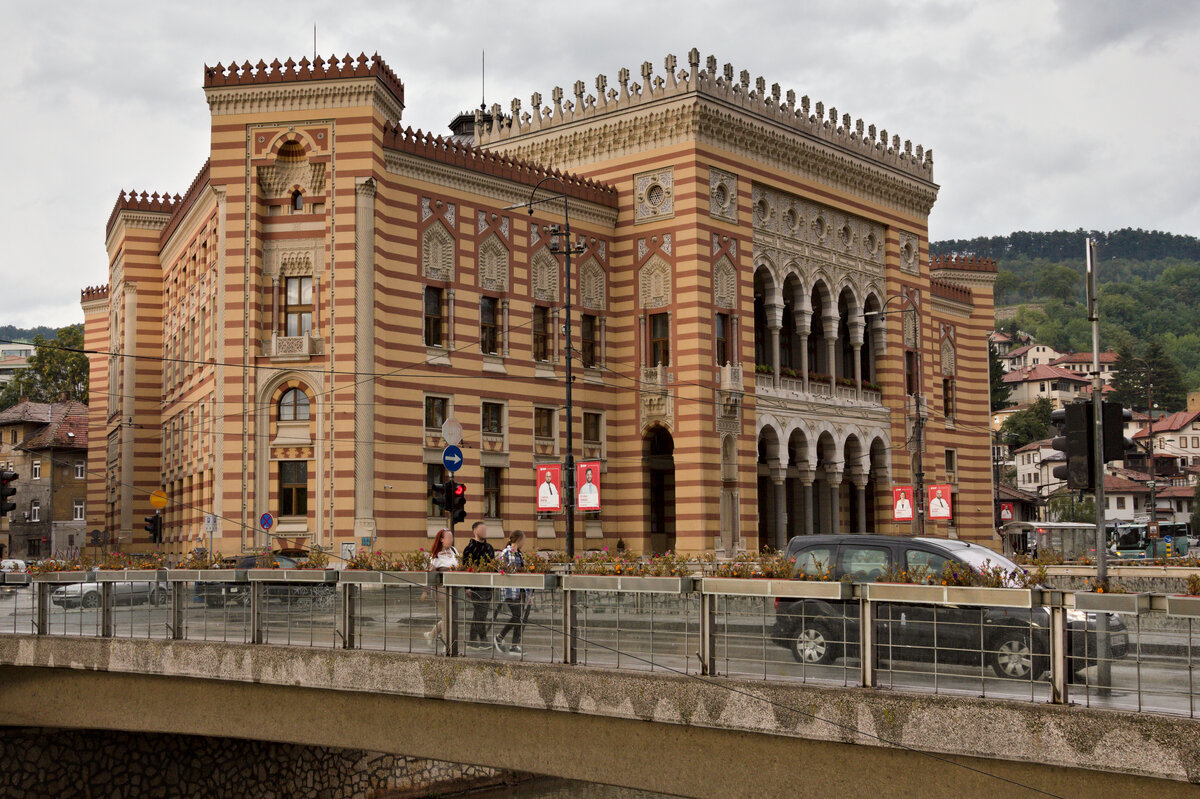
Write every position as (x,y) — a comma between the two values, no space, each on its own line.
(1075,426)
(7,491)
(153,526)
(458,504)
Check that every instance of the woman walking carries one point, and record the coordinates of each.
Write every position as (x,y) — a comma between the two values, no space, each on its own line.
(512,561)
(444,558)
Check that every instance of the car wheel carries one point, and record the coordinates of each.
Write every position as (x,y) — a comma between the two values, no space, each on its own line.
(158,596)
(812,645)
(1011,656)
(90,600)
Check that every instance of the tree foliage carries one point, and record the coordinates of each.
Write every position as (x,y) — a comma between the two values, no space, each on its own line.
(54,371)
(1000,390)
(1150,377)
(1027,426)
(1068,508)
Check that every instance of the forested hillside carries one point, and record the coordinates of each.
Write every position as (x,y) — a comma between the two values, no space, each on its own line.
(1149,289)
(10,333)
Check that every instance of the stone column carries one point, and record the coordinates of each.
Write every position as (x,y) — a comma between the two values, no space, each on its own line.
(803,325)
(859,481)
(276,323)
(504,328)
(774,325)
(856,341)
(316,307)
(779,478)
(834,478)
(831,324)
(806,489)
(449,319)
(643,343)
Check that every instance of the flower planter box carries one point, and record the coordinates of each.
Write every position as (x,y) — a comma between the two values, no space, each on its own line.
(612,582)
(15,578)
(291,575)
(1127,604)
(65,577)
(793,589)
(206,576)
(537,582)
(1186,606)
(130,575)
(968,595)
(369,577)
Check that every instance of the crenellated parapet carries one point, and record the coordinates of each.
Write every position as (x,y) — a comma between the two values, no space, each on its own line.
(93,293)
(950,291)
(967,263)
(456,153)
(146,203)
(304,70)
(809,119)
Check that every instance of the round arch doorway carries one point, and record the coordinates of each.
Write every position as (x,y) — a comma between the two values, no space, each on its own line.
(658,461)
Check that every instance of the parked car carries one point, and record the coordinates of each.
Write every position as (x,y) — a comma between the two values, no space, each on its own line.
(12,565)
(217,595)
(87,595)
(1013,641)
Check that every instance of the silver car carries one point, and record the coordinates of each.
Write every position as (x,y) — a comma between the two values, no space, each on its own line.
(87,595)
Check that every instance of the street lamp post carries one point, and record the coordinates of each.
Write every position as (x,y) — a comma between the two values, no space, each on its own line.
(567,250)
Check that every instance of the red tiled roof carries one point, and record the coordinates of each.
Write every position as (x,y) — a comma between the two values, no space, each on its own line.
(1032,445)
(1042,371)
(1171,423)
(67,428)
(1084,357)
(1114,483)
(26,412)
(1017,351)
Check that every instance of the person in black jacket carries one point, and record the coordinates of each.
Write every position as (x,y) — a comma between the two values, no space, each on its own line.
(477,553)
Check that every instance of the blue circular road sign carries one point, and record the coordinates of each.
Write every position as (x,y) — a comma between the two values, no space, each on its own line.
(1168,539)
(452,458)
(266,520)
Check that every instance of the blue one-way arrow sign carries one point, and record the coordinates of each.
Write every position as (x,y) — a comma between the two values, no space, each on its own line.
(452,458)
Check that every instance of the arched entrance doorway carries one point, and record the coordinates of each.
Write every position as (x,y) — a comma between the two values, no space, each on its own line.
(658,460)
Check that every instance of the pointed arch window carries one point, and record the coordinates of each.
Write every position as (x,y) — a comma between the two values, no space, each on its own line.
(297,201)
(293,406)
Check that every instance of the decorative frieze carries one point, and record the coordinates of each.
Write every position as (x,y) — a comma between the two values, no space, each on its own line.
(654,195)
(654,284)
(910,253)
(292,257)
(722,195)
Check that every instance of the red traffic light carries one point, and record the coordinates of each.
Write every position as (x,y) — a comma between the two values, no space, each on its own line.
(459,489)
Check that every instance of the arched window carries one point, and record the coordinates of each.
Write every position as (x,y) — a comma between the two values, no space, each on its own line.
(297,201)
(293,406)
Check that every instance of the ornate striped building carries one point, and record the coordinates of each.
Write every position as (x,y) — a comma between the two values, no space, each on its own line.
(763,346)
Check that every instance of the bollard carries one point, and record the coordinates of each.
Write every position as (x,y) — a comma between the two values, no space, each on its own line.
(1058,655)
(570,620)
(708,635)
(107,598)
(351,598)
(178,600)
(258,602)
(449,608)
(867,652)
(41,596)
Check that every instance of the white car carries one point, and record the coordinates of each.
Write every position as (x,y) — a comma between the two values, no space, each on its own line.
(87,595)
(12,565)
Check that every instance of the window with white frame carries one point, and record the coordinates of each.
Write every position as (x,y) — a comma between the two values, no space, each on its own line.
(37,470)
(79,470)
(77,510)
(35,511)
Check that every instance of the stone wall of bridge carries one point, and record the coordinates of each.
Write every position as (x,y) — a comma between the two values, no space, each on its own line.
(48,763)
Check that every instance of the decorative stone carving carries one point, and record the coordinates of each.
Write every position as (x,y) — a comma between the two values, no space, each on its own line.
(654,195)
(437,253)
(722,195)
(493,265)
(292,257)
(654,283)
(667,243)
(910,253)
(278,179)
(816,233)
(544,276)
(910,328)
(426,210)
(948,358)
(592,288)
(724,283)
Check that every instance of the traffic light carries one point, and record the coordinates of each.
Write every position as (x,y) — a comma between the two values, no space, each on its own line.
(440,495)
(1075,424)
(458,503)
(7,491)
(1116,445)
(154,527)
(448,491)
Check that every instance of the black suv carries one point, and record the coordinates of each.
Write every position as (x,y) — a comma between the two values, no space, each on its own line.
(215,595)
(1013,641)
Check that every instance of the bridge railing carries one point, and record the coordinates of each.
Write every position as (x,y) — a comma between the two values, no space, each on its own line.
(1129,651)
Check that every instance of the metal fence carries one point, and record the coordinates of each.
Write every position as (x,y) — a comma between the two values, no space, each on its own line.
(1136,652)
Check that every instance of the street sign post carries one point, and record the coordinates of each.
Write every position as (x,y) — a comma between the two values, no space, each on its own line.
(265,521)
(452,458)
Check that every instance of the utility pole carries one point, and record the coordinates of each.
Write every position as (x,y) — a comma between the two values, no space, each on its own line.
(1103,651)
(1153,531)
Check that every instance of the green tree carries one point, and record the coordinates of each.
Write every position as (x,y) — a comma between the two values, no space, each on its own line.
(1027,426)
(1166,384)
(1067,508)
(1196,509)
(999,389)
(57,368)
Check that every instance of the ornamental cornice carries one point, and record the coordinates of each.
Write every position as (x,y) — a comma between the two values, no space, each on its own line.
(95,307)
(503,191)
(947,306)
(709,122)
(306,96)
(141,220)
(964,277)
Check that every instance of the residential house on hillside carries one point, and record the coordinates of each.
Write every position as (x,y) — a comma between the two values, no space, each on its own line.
(13,358)
(1176,443)
(1081,363)
(1035,463)
(1029,355)
(1031,383)
(46,445)
(1004,343)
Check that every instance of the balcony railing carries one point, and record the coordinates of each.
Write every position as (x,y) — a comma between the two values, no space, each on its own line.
(292,348)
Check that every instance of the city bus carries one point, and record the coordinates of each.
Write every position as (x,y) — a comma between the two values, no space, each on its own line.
(1133,540)
(1069,539)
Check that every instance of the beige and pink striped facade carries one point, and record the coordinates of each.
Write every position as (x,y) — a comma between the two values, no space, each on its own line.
(705,209)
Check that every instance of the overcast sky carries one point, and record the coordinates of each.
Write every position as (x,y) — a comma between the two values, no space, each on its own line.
(1041,115)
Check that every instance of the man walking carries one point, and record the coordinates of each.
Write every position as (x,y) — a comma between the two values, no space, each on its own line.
(478,553)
